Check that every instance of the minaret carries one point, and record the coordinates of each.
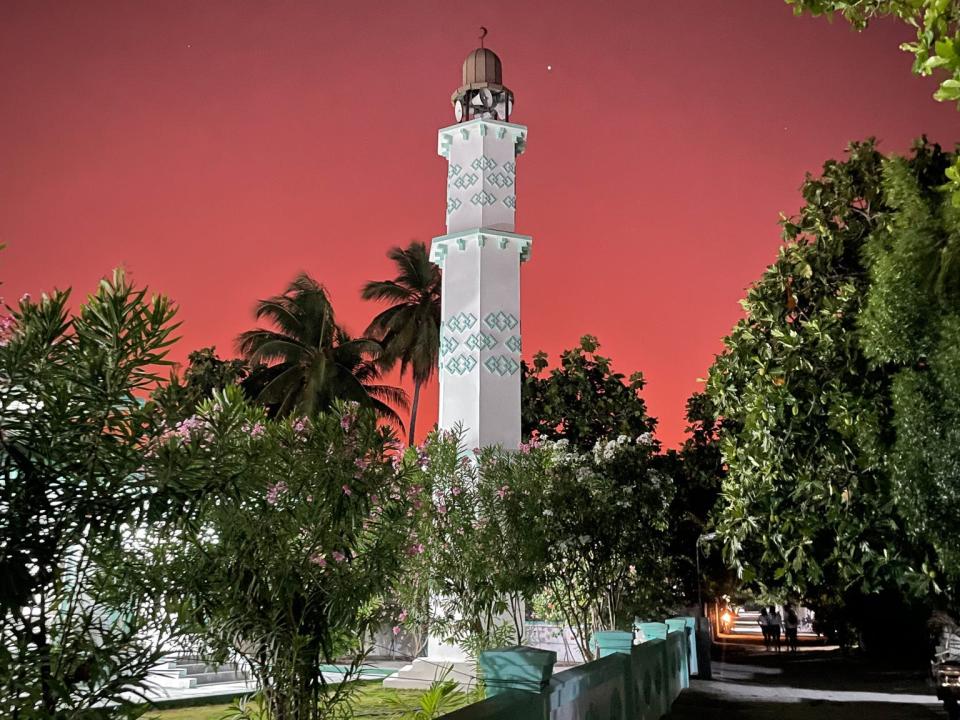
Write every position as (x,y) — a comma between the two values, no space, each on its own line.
(480,257)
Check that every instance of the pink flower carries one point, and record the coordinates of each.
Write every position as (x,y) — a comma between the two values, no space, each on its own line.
(346,421)
(502,492)
(396,629)
(25,297)
(275,491)
(300,425)
(186,427)
(525,448)
(361,463)
(338,556)
(257,430)
(403,616)
(374,499)
(442,509)
(455,490)
(415,549)
(346,490)
(319,559)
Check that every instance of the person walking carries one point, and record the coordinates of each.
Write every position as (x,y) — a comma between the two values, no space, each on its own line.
(764,622)
(775,620)
(791,622)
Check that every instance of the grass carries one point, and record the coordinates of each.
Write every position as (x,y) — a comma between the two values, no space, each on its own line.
(372,700)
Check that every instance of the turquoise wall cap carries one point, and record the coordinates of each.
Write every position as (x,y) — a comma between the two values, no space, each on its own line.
(516,668)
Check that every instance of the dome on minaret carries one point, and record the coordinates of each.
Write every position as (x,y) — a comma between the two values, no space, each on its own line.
(482,93)
(482,67)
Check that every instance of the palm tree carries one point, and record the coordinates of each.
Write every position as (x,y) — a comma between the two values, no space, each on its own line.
(409,330)
(309,361)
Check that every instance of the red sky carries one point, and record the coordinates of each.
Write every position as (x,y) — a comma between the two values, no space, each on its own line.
(217,148)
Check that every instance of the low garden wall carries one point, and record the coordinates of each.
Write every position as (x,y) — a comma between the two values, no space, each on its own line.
(628,682)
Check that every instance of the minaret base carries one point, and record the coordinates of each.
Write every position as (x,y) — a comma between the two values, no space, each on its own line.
(424,671)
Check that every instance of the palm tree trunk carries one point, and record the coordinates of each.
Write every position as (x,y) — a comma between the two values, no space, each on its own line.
(413,411)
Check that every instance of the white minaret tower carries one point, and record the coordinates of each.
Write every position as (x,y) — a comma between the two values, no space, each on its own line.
(480,331)
(480,257)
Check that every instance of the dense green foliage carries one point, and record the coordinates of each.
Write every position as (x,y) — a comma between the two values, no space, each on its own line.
(911,323)
(582,535)
(697,472)
(309,361)
(409,330)
(299,531)
(76,631)
(813,399)
(583,400)
(206,373)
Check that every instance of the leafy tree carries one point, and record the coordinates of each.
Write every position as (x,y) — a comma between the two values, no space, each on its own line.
(77,632)
(911,322)
(803,505)
(697,472)
(807,503)
(936,50)
(583,400)
(477,569)
(310,361)
(587,531)
(409,330)
(285,557)
(604,533)
(206,373)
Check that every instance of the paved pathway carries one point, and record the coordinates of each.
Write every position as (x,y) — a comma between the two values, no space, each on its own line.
(815,684)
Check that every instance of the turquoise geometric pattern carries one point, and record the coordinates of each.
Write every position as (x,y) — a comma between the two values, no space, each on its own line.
(481,341)
(508,166)
(501,321)
(500,179)
(462,321)
(501,365)
(448,345)
(453,204)
(461,364)
(453,170)
(510,201)
(513,342)
(483,198)
(465,181)
(483,163)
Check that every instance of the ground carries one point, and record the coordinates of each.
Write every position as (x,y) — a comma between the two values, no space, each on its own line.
(372,701)
(750,683)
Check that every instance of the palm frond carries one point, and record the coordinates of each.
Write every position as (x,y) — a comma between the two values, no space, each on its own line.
(266,345)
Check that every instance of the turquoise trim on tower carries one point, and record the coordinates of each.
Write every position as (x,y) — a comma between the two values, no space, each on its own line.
(448,344)
(461,322)
(483,198)
(503,240)
(501,365)
(501,321)
(460,364)
(481,341)
(483,163)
